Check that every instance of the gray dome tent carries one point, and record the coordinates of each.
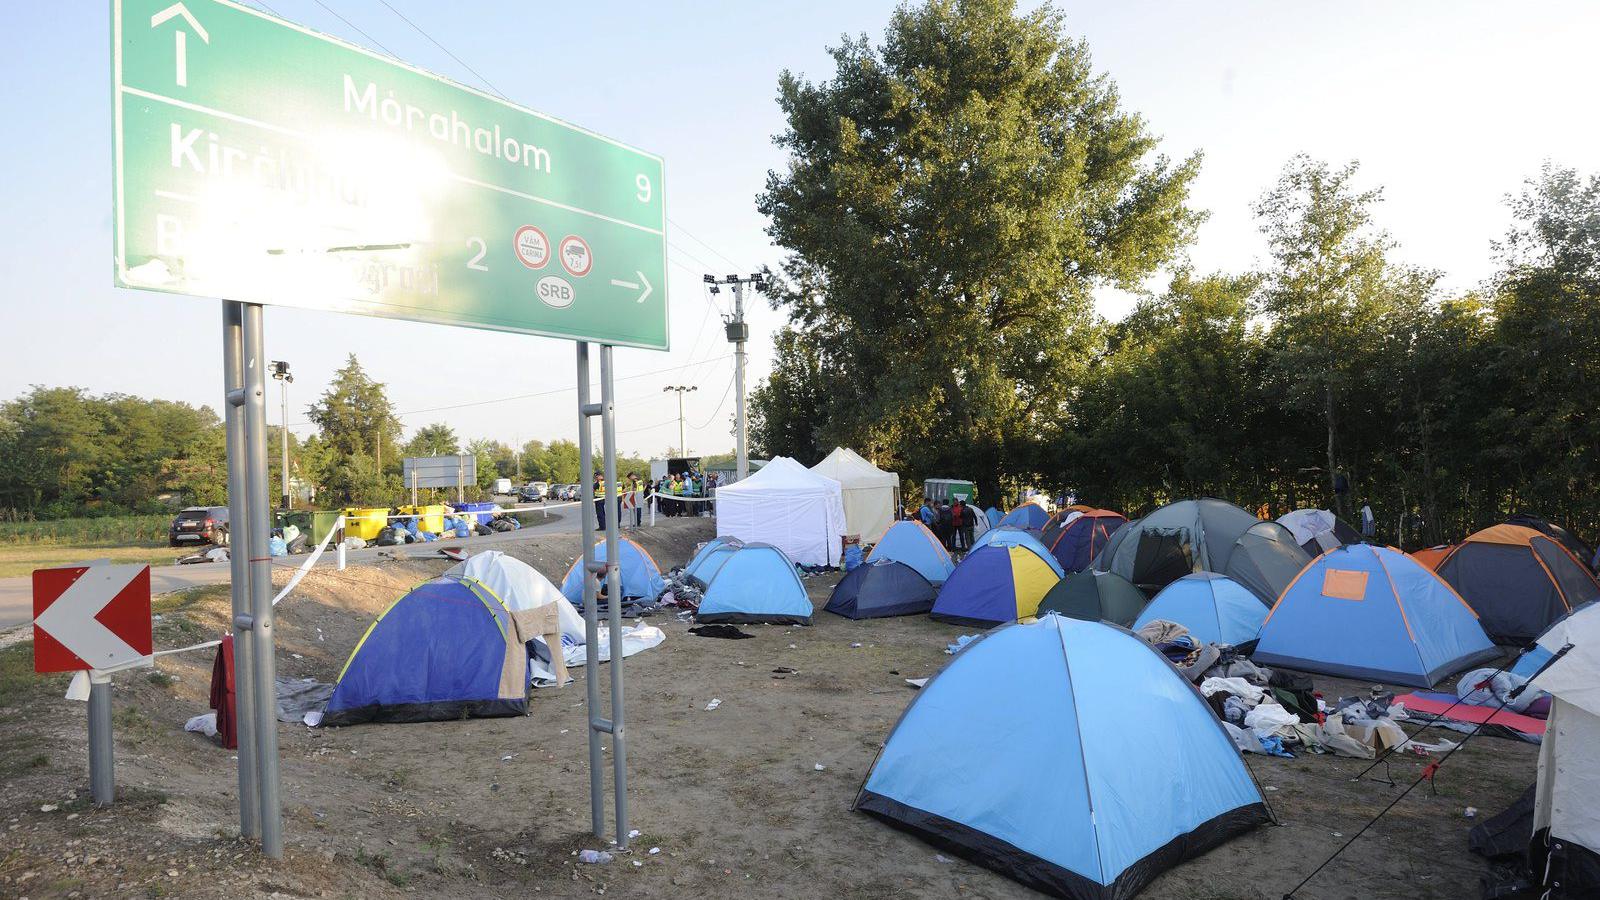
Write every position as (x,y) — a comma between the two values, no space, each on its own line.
(1205,535)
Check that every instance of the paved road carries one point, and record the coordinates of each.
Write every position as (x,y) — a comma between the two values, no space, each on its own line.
(16,594)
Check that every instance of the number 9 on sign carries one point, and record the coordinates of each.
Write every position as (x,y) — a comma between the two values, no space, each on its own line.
(642,182)
(555,291)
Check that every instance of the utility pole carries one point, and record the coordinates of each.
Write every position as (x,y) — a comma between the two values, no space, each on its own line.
(739,334)
(280,371)
(683,449)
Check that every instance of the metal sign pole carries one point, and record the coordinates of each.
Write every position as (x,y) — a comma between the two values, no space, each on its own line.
(591,620)
(102,765)
(239,519)
(255,478)
(619,740)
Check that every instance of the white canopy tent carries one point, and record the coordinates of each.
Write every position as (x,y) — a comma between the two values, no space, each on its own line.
(869,492)
(1566,821)
(788,506)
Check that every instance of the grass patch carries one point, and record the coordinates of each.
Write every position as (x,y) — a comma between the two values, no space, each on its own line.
(19,684)
(100,531)
(17,560)
(177,601)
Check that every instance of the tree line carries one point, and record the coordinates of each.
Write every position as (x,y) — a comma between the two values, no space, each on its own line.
(956,194)
(65,452)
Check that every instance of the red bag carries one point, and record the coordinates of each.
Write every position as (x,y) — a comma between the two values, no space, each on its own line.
(222,695)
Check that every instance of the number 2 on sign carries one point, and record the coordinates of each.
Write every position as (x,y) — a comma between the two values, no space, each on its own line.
(476,263)
(643,183)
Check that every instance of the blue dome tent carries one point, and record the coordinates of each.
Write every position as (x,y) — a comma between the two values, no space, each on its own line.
(708,560)
(1106,771)
(447,650)
(1012,536)
(994,516)
(1215,608)
(1376,614)
(641,577)
(996,584)
(1028,515)
(756,584)
(913,544)
(880,589)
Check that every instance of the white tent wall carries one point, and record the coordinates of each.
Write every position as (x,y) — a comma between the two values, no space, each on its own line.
(1567,801)
(869,493)
(788,506)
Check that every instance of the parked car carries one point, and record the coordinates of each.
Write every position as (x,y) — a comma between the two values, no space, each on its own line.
(533,492)
(196,525)
(569,492)
(502,486)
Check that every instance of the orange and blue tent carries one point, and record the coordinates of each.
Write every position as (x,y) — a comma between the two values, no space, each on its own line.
(995,584)
(1375,614)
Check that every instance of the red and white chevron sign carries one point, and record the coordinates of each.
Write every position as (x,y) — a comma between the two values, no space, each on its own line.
(90,617)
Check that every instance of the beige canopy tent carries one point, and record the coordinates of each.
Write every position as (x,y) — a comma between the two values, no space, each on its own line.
(870,494)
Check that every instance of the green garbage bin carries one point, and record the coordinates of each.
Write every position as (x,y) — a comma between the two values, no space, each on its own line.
(322,522)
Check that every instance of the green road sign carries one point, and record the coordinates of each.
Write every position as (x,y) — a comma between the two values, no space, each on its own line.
(260,161)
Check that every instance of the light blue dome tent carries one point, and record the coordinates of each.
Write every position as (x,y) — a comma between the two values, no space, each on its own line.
(1106,770)
(756,584)
(913,544)
(1376,614)
(449,649)
(641,577)
(1215,608)
(708,560)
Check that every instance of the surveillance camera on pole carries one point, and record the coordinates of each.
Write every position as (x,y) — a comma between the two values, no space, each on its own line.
(280,371)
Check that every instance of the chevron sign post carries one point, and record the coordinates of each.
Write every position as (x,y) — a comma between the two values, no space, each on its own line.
(93,618)
(90,617)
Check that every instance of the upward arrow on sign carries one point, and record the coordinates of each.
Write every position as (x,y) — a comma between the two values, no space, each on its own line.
(180,38)
(70,615)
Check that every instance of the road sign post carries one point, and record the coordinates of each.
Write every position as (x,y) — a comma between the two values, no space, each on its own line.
(360,184)
(239,562)
(102,762)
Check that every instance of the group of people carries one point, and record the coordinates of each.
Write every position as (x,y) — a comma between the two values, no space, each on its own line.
(687,484)
(951,523)
(691,483)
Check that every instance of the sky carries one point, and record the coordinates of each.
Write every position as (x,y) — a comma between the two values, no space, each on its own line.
(1449,106)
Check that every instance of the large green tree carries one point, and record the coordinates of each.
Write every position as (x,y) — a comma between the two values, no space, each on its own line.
(953,197)
(358,427)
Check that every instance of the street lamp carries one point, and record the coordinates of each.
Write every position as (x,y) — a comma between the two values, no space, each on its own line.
(280,371)
(683,449)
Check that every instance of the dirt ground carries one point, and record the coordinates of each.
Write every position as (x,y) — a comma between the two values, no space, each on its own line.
(732,797)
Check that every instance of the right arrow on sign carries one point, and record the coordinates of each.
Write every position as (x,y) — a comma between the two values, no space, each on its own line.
(634,285)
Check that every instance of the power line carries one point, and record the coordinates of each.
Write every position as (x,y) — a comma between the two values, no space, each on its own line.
(725,258)
(553,391)
(369,37)
(720,403)
(486,83)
